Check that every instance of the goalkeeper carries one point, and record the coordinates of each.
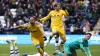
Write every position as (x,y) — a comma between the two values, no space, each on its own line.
(71,47)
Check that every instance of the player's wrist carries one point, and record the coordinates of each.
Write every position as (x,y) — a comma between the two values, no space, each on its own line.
(89,55)
(45,38)
(86,53)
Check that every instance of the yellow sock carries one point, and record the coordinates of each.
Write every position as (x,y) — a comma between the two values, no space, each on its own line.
(40,51)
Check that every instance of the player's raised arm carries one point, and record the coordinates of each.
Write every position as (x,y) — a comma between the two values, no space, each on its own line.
(65,13)
(45,18)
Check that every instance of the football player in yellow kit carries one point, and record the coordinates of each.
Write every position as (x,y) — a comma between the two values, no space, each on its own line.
(56,22)
(36,34)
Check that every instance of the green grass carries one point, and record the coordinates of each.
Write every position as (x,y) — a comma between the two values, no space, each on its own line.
(29,49)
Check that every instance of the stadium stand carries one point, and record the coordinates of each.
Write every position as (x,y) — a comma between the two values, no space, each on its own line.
(83,14)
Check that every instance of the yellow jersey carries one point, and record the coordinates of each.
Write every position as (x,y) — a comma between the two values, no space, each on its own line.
(35,31)
(56,17)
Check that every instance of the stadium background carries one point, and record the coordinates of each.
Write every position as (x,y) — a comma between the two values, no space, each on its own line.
(83,17)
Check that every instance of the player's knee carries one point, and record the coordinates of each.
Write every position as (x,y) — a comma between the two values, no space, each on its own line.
(42,47)
(64,39)
(37,46)
(53,33)
(57,35)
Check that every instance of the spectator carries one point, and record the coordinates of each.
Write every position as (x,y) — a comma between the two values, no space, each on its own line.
(20,22)
(87,26)
(43,3)
(77,30)
(94,11)
(79,10)
(19,11)
(2,9)
(89,15)
(8,22)
(78,22)
(26,20)
(8,18)
(98,9)
(1,31)
(85,3)
(84,30)
(8,14)
(72,29)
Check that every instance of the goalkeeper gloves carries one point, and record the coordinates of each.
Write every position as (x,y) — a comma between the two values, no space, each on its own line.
(87,54)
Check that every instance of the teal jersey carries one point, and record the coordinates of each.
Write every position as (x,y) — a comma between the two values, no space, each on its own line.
(75,44)
(78,44)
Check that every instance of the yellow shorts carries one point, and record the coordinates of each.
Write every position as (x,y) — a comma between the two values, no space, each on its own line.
(59,30)
(38,41)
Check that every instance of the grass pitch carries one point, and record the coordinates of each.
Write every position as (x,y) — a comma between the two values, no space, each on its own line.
(29,49)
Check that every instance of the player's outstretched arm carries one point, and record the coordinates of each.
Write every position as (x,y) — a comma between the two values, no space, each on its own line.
(82,48)
(81,45)
(45,18)
(88,51)
(21,26)
(16,27)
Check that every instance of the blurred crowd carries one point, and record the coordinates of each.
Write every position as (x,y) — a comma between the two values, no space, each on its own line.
(83,14)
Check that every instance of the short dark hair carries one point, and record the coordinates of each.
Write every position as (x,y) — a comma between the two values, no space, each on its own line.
(89,34)
(56,4)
